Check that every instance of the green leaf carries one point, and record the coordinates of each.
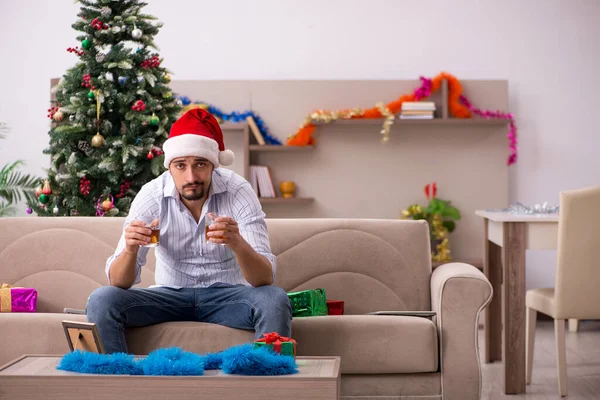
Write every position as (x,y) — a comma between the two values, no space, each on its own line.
(151,79)
(451,212)
(112,65)
(450,225)
(14,185)
(6,210)
(156,165)
(125,65)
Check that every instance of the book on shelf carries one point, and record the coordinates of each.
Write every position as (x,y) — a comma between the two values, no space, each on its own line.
(255,131)
(261,181)
(417,110)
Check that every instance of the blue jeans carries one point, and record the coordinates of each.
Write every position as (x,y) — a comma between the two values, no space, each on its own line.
(262,309)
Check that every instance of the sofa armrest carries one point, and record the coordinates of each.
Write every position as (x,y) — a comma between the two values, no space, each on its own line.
(458,294)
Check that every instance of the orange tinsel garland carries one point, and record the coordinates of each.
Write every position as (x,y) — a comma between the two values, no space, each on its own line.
(304,136)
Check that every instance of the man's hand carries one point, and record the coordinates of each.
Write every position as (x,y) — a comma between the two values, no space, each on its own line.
(136,235)
(225,231)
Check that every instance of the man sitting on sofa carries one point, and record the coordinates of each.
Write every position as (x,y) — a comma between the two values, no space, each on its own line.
(226,280)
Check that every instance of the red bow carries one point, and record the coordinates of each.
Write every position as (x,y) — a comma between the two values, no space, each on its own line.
(276,340)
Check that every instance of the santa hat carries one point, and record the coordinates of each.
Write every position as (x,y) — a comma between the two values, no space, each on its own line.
(197,133)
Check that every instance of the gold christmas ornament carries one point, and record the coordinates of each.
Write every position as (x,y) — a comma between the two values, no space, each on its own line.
(97,140)
(167,78)
(58,116)
(107,205)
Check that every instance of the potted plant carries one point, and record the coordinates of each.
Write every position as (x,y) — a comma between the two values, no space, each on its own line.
(14,185)
(441,217)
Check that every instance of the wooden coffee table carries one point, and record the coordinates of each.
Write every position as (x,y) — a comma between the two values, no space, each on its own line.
(36,377)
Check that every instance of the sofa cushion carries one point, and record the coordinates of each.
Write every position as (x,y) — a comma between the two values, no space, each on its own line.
(407,344)
(370,344)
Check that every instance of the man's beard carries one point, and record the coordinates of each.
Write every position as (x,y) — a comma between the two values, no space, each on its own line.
(190,195)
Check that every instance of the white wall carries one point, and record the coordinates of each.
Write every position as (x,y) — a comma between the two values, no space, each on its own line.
(547,49)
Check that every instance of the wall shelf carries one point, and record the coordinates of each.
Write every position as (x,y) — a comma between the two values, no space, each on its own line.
(283,200)
(266,147)
(423,122)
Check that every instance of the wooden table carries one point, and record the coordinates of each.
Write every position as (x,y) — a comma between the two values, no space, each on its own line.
(507,237)
(36,377)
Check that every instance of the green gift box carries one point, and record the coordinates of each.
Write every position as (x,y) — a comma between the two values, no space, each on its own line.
(308,303)
(279,344)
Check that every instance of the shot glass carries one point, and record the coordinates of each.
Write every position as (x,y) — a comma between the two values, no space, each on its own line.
(152,221)
(209,219)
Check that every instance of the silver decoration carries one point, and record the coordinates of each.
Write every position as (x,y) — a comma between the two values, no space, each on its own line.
(537,209)
(105,11)
(100,57)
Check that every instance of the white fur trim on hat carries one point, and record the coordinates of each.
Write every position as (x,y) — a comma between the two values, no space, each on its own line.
(191,145)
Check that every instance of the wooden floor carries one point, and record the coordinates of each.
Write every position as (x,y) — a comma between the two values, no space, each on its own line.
(583,366)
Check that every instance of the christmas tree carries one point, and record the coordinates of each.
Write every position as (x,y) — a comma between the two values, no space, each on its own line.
(111,114)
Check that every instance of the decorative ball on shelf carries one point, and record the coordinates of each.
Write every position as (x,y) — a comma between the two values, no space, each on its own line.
(91,95)
(55,210)
(86,44)
(44,198)
(136,33)
(46,189)
(150,156)
(58,116)
(154,120)
(97,140)
(107,205)
(29,210)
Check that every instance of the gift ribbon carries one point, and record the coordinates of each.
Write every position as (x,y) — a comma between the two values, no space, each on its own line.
(5,299)
(276,340)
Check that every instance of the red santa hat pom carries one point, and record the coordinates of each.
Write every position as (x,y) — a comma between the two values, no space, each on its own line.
(197,133)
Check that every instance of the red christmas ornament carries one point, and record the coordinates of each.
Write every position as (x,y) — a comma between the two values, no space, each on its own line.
(124,188)
(152,62)
(150,156)
(138,106)
(84,186)
(87,81)
(75,50)
(52,111)
(96,23)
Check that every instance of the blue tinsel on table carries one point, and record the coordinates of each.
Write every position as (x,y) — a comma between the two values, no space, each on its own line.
(173,361)
(235,117)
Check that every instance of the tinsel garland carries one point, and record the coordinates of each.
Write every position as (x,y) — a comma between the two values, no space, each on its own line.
(234,117)
(458,105)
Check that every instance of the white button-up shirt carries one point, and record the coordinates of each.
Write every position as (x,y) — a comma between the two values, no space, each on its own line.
(184,258)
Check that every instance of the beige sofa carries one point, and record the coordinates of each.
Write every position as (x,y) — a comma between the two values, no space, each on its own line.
(372,265)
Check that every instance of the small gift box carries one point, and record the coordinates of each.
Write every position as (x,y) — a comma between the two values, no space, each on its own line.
(308,303)
(280,344)
(14,299)
(335,307)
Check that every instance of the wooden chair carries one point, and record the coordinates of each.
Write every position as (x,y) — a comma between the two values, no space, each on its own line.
(576,294)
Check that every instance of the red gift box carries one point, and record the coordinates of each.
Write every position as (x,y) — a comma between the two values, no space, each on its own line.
(335,307)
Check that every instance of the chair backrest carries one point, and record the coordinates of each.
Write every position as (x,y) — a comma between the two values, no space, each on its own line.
(578,260)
